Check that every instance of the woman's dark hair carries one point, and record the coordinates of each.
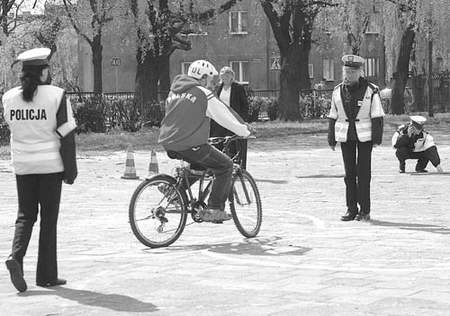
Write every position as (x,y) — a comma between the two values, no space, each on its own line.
(31,78)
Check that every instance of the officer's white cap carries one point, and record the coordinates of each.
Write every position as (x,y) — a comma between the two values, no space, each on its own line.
(353,61)
(34,57)
(418,119)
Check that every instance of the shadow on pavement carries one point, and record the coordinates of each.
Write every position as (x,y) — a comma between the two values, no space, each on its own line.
(411,226)
(253,247)
(116,302)
(272,181)
(316,176)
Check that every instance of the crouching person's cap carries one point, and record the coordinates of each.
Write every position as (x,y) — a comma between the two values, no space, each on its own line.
(34,57)
(418,120)
(353,61)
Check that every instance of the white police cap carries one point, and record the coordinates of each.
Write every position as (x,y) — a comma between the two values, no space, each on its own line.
(418,119)
(34,57)
(353,61)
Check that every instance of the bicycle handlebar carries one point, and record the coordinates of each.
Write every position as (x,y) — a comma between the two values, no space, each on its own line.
(227,139)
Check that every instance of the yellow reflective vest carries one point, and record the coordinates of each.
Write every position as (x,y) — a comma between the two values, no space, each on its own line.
(35,134)
(370,107)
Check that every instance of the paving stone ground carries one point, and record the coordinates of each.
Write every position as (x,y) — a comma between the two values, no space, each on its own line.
(304,262)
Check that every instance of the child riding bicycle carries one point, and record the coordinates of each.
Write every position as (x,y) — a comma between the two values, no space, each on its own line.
(184,131)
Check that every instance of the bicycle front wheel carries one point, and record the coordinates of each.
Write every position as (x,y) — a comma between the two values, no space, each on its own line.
(245,204)
(157,211)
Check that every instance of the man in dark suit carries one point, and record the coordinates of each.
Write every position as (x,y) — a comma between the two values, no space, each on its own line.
(233,95)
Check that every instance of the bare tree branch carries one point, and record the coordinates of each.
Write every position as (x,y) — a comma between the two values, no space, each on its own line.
(73,22)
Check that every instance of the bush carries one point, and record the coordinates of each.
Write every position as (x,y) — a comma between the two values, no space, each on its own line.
(153,114)
(89,114)
(259,105)
(314,106)
(100,113)
(273,109)
(4,132)
(124,113)
(254,108)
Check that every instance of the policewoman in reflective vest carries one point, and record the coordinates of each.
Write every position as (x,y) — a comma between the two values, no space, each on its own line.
(356,121)
(43,155)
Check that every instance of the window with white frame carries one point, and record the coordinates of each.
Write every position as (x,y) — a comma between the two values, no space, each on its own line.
(238,22)
(311,71)
(328,69)
(240,69)
(194,29)
(185,67)
(371,68)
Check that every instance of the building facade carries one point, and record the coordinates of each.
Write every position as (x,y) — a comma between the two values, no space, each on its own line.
(241,38)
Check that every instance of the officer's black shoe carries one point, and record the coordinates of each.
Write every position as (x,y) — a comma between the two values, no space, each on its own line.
(401,168)
(421,170)
(363,217)
(16,274)
(349,216)
(51,283)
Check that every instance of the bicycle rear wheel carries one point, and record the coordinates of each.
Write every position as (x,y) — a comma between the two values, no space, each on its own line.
(245,204)
(157,211)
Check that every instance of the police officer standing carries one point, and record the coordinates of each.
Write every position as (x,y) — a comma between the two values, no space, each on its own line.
(356,121)
(43,155)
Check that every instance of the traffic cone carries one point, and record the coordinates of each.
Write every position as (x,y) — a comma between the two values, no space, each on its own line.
(153,166)
(130,170)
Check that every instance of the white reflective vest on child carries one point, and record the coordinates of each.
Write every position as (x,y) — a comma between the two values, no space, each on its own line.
(35,134)
(370,107)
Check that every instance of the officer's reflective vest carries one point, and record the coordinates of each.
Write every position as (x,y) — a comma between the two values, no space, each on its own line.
(370,107)
(35,134)
(421,144)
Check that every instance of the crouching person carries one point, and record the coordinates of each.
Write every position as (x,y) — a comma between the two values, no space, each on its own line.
(413,142)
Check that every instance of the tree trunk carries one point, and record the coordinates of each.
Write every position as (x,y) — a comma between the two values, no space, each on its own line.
(290,82)
(164,79)
(97,59)
(146,79)
(401,73)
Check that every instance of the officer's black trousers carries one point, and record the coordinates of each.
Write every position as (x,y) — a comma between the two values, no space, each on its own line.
(36,190)
(357,162)
(431,154)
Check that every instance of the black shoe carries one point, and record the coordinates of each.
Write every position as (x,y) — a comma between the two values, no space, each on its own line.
(401,168)
(363,217)
(349,216)
(16,274)
(51,283)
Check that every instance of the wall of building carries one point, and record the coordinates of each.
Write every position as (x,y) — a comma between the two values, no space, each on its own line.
(257,47)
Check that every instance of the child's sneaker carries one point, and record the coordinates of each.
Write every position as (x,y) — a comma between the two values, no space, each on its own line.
(214,215)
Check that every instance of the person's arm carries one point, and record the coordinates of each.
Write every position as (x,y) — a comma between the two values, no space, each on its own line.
(243,102)
(225,116)
(377,130)
(331,134)
(332,117)
(66,126)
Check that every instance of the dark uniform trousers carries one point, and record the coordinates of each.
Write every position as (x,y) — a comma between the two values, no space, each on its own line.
(357,163)
(431,154)
(34,190)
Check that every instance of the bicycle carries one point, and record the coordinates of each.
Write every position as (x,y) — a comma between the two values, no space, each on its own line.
(159,206)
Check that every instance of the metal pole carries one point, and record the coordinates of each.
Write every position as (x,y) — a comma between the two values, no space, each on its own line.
(430,77)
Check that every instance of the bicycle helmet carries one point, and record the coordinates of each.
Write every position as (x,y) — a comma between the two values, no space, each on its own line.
(199,68)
